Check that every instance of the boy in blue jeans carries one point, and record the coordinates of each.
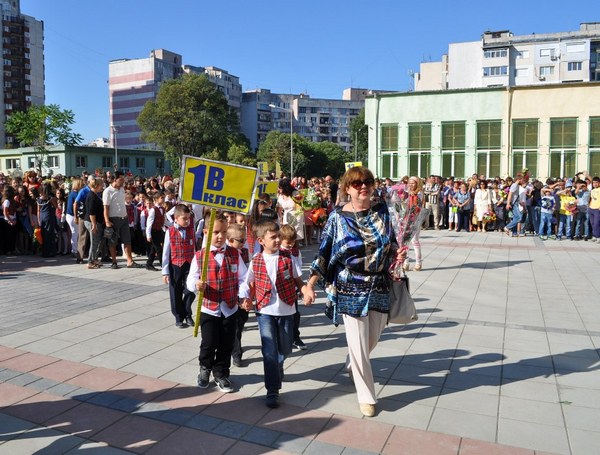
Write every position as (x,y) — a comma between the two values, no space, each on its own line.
(274,279)
(547,210)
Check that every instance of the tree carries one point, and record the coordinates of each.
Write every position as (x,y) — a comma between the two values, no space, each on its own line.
(332,159)
(41,126)
(276,148)
(360,137)
(190,116)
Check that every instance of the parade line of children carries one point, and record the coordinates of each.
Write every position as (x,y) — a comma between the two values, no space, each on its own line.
(253,265)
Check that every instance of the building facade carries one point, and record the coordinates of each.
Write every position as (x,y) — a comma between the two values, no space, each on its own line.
(316,119)
(22,78)
(73,160)
(553,130)
(133,82)
(501,59)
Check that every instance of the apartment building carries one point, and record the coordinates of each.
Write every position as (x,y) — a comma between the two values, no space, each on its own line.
(317,119)
(23,64)
(133,82)
(502,59)
(227,83)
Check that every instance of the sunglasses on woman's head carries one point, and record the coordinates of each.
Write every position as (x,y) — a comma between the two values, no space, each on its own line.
(357,184)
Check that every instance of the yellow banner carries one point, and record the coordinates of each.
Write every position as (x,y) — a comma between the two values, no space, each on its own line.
(277,170)
(219,185)
(267,187)
(352,164)
(263,168)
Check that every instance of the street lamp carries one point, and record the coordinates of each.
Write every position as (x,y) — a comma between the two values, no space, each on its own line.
(115,129)
(291,111)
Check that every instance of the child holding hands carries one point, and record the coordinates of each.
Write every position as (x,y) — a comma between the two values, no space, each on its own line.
(226,271)
(274,279)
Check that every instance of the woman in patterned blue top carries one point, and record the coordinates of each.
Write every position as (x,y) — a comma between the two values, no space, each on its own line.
(352,266)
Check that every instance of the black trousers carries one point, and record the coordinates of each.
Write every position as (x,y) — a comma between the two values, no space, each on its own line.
(158,237)
(181,299)
(218,335)
(242,318)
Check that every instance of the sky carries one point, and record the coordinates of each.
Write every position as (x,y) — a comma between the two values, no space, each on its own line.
(314,47)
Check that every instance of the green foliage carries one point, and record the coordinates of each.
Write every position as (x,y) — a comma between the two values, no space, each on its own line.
(311,159)
(360,131)
(190,116)
(241,154)
(276,148)
(41,126)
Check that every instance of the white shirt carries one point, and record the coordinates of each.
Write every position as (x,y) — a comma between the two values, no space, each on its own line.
(276,306)
(115,199)
(150,222)
(194,275)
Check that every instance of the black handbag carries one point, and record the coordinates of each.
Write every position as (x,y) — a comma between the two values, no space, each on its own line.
(402,306)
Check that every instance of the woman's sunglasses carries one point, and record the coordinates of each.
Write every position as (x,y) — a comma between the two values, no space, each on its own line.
(357,184)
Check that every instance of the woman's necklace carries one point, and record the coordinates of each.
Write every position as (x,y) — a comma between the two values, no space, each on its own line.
(356,216)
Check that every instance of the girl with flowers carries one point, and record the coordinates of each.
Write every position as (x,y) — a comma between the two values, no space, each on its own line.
(415,198)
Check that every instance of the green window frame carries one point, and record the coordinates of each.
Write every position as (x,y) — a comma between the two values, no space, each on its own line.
(453,135)
(563,133)
(489,134)
(453,164)
(525,134)
(563,163)
(594,132)
(419,164)
(389,165)
(419,136)
(488,163)
(389,138)
(522,159)
(594,166)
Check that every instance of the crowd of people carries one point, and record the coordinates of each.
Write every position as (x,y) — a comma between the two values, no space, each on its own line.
(255,260)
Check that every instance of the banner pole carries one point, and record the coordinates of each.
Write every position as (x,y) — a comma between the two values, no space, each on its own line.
(205,259)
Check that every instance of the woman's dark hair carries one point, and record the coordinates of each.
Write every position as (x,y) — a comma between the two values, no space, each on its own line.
(268,214)
(46,190)
(286,187)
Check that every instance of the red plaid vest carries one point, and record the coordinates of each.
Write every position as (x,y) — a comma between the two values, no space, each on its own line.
(221,282)
(159,218)
(286,288)
(130,214)
(182,251)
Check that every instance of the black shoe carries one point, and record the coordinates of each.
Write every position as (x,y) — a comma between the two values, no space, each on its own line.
(224,384)
(203,378)
(181,325)
(189,321)
(299,344)
(114,265)
(151,268)
(106,259)
(236,362)
(272,400)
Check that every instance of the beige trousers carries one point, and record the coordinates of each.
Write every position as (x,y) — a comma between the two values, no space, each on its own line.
(362,335)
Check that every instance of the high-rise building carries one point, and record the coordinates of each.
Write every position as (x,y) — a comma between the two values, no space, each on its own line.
(316,119)
(22,79)
(133,82)
(501,59)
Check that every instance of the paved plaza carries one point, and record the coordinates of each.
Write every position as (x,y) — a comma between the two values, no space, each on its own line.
(504,359)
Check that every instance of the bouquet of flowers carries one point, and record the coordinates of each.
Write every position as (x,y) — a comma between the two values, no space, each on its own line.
(406,219)
(489,216)
(571,207)
(37,236)
(307,199)
(319,217)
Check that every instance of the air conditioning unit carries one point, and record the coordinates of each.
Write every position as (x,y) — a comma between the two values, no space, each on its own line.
(553,58)
(542,78)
